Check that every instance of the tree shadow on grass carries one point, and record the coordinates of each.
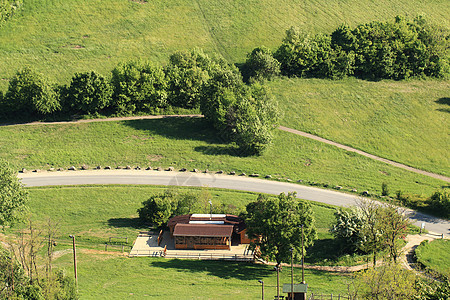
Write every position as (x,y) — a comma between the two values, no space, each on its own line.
(194,128)
(177,128)
(135,223)
(220,150)
(325,250)
(444,101)
(221,269)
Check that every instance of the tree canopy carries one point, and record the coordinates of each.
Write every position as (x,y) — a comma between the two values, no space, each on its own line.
(275,224)
(13,197)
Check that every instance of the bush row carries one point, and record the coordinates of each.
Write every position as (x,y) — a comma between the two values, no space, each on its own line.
(377,50)
(245,114)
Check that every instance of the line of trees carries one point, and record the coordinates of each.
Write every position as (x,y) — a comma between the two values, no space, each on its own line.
(378,50)
(244,114)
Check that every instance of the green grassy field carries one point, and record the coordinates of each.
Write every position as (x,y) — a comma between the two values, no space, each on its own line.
(435,255)
(190,143)
(96,212)
(60,37)
(114,277)
(405,121)
(93,213)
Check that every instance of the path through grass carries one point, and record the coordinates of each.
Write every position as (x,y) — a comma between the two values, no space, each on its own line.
(190,143)
(406,121)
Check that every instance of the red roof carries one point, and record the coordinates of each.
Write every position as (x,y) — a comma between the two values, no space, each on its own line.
(203,230)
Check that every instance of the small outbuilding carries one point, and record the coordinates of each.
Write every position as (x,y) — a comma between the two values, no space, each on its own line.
(207,231)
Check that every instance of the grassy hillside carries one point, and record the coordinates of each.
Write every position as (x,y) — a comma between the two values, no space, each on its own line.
(191,143)
(406,121)
(60,37)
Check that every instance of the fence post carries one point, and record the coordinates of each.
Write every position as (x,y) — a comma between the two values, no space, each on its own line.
(106,247)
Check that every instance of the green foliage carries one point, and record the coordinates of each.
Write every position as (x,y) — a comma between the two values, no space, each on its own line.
(275,224)
(88,92)
(305,55)
(30,94)
(14,284)
(397,50)
(13,197)
(188,72)
(8,8)
(370,227)
(347,227)
(384,189)
(439,203)
(158,208)
(260,65)
(253,120)
(432,289)
(138,87)
(389,281)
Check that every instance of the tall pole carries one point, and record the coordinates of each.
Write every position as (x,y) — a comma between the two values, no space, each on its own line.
(210,210)
(292,273)
(74,259)
(278,281)
(262,292)
(303,258)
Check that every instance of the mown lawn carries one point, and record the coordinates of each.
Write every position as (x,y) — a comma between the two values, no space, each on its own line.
(190,143)
(435,255)
(61,37)
(93,213)
(114,277)
(404,121)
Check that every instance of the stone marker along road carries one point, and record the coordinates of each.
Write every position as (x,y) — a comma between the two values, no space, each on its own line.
(287,129)
(242,183)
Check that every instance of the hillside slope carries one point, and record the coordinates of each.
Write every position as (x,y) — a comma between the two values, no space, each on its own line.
(60,37)
(405,121)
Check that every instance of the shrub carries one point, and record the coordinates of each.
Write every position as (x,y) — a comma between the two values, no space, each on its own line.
(158,209)
(347,227)
(261,65)
(89,92)
(439,202)
(138,86)
(30,93)
(8,8)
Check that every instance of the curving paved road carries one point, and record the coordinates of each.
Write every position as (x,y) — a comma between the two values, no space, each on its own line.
(432,224)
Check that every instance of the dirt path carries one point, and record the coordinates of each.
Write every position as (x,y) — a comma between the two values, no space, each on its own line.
(396,164)
(109,119)
(294,131)
(406,258)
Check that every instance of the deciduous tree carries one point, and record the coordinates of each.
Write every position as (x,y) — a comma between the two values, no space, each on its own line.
(274,223)
(13,197)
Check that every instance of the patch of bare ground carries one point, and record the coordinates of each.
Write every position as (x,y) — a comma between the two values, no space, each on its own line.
(154,157)
(104,254)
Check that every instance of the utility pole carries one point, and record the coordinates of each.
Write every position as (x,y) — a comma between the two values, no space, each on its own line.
(303,258)
(210,210)
(74,259)
(292,273)
(262,292)
(277,267)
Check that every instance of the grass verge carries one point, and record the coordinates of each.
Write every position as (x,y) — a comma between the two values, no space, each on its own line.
(435,256)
